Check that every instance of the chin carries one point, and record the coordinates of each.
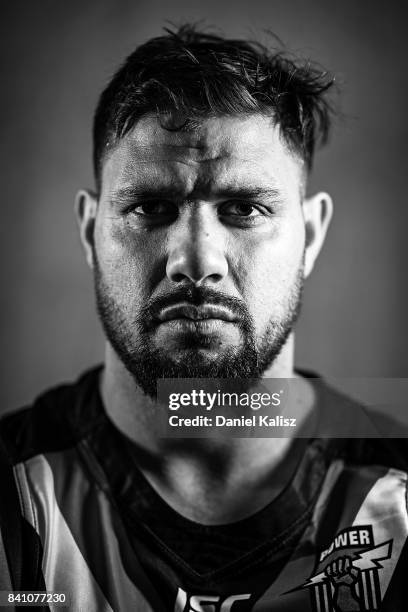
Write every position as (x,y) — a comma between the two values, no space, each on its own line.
(210,346)
(204,355)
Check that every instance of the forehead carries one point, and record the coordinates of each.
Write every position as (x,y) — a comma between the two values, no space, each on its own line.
(221,152)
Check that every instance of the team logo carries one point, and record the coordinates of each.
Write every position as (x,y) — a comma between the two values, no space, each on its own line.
(347,573)
(208,603)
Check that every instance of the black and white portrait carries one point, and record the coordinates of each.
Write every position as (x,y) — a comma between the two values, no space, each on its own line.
(203,310)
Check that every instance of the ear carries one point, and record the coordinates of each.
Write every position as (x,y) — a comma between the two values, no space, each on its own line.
(86,204)
(317,212)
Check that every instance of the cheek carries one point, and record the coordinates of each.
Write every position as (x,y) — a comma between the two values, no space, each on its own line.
(129,260)
(267,269)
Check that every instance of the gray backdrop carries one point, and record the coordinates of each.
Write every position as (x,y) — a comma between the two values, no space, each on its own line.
(57,56)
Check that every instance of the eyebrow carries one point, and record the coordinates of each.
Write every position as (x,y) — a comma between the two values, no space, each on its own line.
(134,192)
(250,193)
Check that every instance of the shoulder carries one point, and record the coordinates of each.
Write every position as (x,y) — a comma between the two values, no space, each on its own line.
(52,422)
(364,435)
(36,453)
(370,437)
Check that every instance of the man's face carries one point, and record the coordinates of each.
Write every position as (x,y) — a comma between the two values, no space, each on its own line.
(198,248)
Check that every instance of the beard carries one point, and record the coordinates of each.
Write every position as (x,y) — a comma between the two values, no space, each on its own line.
(132,337)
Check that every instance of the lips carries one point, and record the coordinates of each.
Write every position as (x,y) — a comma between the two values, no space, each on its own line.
(196,313)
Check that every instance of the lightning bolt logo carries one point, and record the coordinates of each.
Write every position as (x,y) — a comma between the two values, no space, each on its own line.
(370,559)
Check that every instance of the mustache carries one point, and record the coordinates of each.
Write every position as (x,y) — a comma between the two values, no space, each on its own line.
(197,296)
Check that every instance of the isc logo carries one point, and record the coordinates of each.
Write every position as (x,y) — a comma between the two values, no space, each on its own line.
(207,603)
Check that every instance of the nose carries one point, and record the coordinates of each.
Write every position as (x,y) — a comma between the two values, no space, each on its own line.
(196,250)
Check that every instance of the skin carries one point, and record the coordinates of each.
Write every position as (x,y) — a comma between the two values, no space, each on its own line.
(249,246)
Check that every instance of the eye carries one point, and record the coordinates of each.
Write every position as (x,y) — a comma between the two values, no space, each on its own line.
(153,208)
(240,208)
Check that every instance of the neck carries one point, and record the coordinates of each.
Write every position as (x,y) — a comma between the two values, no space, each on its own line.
(204,478)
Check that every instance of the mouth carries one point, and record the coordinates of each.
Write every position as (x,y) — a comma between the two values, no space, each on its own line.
(190,312)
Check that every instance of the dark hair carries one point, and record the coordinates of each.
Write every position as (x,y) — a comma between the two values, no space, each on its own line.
(190,74)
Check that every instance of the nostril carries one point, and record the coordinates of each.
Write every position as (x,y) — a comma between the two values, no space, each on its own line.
(178,277)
